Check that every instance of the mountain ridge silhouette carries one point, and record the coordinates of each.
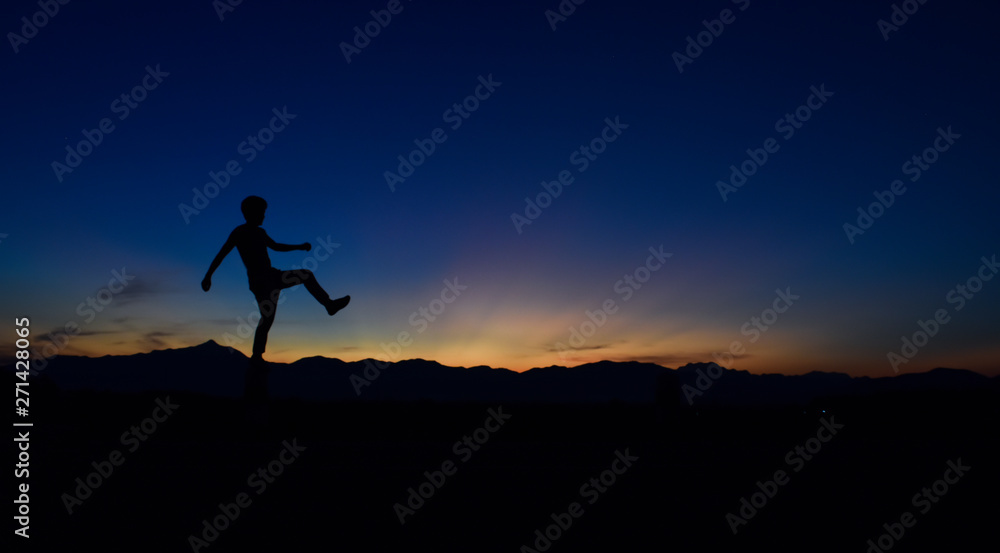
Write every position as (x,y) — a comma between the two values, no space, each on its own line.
(213,369)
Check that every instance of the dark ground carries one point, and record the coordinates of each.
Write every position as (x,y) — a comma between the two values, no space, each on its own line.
(361,457)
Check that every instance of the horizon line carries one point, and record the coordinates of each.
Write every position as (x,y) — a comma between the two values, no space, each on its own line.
(210,341)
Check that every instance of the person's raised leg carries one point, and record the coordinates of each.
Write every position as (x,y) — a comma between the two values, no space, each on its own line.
(306,277)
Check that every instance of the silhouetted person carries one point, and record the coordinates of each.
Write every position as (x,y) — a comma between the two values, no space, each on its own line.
(266,282)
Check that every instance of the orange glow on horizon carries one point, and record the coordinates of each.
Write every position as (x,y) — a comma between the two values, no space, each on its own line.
(505,337)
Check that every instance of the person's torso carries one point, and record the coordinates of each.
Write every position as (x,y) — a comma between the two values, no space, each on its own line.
(251,242)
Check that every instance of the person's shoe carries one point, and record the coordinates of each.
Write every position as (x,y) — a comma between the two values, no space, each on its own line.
(333,306)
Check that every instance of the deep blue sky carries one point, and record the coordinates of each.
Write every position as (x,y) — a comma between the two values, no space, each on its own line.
(655,185)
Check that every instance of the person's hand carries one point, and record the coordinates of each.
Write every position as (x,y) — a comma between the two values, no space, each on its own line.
(206,284)
(307,246)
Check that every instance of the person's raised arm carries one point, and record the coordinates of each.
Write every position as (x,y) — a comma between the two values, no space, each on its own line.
(206,283)
(287,247)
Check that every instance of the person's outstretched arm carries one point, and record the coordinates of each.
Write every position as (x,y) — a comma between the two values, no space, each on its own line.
(206,283)
(287,247)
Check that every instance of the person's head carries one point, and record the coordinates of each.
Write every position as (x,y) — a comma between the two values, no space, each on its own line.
(253,209)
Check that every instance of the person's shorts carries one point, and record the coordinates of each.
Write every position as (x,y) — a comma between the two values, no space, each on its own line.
(265,285)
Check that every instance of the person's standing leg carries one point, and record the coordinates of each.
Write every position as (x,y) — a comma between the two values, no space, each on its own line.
(255,384)
(268,305)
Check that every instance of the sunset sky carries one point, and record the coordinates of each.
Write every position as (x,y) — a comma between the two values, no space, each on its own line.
(842,110)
